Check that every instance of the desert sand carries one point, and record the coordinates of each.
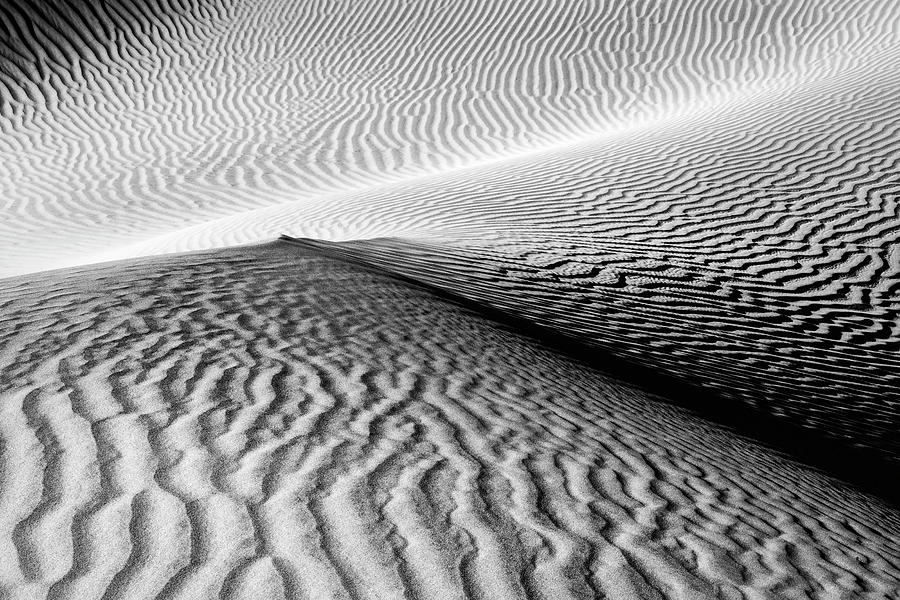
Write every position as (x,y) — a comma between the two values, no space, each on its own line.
(388,401)
(265,422)
(134,128)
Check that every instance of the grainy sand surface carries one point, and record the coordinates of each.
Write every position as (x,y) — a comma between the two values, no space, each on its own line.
(133,128)
(266,422)
(814,343)
(709,189)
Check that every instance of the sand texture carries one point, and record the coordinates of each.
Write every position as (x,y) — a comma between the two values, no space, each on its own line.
(266,422)
(132,128)
(402,299)
(709,188)
(813,343)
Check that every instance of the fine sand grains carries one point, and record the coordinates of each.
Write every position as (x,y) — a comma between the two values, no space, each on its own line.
(265,422)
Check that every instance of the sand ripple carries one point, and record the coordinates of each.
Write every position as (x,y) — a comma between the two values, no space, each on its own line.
(267,422)
(130,128)
(706,188)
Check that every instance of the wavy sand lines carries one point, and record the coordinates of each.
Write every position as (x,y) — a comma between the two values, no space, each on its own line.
(707,189)
(298,427)
(128,121)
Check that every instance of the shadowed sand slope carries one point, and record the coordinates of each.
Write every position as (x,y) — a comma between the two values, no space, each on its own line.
(815,348)
(266,422)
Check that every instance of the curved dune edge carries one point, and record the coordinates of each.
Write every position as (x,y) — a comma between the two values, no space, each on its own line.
(677,317)
(269,422)
(707,188)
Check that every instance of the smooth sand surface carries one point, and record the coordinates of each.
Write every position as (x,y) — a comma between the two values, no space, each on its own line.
(266,422)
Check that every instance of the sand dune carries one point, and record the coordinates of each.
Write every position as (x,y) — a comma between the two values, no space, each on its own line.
(723,182)
(754,252)
(268,422)
(705,188)
(129,122)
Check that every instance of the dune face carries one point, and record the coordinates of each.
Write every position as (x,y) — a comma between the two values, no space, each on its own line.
(814,344)
(133,128)
(267,422)
(490,212)
(709,188)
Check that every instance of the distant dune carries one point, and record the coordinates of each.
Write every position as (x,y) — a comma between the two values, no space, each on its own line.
(265,422)
(133,128)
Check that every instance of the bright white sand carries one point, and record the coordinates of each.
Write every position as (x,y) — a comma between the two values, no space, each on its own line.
(138,128)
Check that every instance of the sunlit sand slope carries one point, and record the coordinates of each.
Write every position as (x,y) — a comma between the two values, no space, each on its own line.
(128,128)
(265,422)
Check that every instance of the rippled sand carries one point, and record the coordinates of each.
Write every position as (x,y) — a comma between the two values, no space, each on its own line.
(706,189)
(132,128)
(267,422)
